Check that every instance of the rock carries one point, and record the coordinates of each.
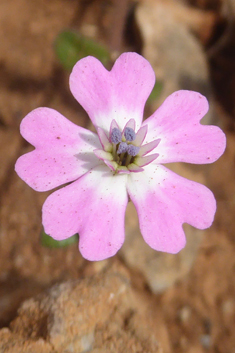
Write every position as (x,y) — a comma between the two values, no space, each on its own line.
(13,292)
(101,313)
(11,343)
(173,51)
(199,22)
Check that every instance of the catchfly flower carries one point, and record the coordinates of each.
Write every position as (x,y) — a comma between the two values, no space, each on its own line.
(123,161)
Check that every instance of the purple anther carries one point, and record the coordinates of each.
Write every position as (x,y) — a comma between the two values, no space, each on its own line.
(122,148)
(132,150)
(129,134)
(116,135)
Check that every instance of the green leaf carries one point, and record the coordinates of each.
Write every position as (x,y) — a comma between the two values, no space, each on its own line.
(49,242)
(157,89)
(71,47)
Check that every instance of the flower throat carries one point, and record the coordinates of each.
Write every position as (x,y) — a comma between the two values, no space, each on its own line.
(123,151)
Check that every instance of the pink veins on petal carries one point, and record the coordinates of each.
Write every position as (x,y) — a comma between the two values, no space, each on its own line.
(123,160)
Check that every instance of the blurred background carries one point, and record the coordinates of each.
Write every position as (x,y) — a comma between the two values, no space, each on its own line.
(172,303)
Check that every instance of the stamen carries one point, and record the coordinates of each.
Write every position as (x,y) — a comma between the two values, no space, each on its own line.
(122,148)
(116,136)
(129,134)
(132,150)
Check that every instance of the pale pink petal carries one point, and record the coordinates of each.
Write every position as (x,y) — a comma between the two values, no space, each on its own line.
(183,138)
(101,154)
(144,149)
(131,124)
(113,125)
(135,168)
(118,94)
(140,136)
(93,206)
(117,168)
(123,170)
(142,161)
(64,151)
(107,146)
(164,201)
(111,164)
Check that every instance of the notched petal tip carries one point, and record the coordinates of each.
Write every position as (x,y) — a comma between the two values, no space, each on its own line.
(171,247)
(93,206)
(24,170)
(186,98)
(164,202)
(116,94)
(183,138)
(91,254)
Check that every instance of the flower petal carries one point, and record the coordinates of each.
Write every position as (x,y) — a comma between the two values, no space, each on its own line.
(119,94)
(142,161)
(145,149)
(111,164)
(134,168)
(183,138)
(101,154)
(113,125)
(131,124)
(93,206)
(122,170)
(140,136)
(164,201)
(64,151)
(107,146)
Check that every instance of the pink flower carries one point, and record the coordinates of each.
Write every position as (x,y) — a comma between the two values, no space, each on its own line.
(123,161)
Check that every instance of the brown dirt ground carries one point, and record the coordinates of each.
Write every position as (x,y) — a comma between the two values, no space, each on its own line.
(199,311)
